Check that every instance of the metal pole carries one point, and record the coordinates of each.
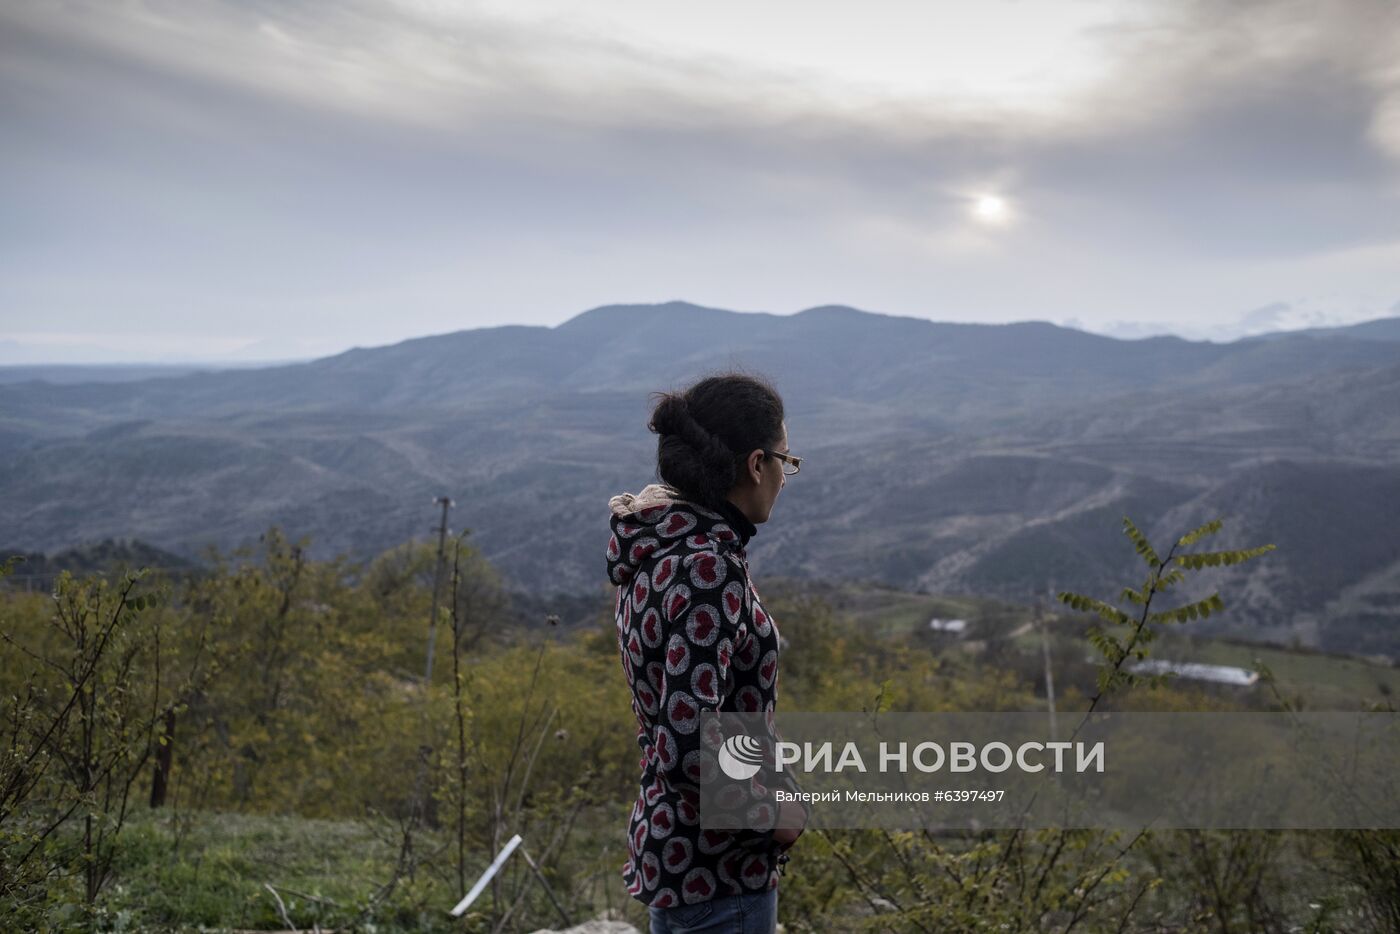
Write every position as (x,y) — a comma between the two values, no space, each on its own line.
(1049,677)
(421,803)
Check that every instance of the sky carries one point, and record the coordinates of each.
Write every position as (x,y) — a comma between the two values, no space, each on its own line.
(250,180)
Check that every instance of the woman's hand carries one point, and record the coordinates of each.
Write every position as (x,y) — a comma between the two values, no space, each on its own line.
(792,818)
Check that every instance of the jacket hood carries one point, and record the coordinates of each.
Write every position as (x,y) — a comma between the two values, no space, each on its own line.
(659,521)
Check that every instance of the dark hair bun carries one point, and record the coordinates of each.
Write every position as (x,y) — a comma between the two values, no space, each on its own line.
(670,415)
(693,460)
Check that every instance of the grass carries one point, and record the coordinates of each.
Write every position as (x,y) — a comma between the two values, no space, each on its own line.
(1313,679)
(209,871)
(1322,681)
(1316,680)
(213,875)
(880,609)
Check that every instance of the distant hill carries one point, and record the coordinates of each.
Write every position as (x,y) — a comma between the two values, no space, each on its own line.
(1381,329)
(990,459)
(108,556)
(90,372)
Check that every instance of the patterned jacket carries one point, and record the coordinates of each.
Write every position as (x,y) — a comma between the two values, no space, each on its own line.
(693,636)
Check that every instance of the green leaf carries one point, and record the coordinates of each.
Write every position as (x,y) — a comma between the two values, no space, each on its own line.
(1174,576)
(1140,543)
(1191,537)
(1217,558)
(1106,611)
(1182,614)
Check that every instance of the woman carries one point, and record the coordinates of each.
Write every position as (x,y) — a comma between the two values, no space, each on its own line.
(693,636)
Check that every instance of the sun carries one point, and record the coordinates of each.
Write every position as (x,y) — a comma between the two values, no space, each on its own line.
(990,209)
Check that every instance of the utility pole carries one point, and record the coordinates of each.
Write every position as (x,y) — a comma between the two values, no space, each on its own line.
(446,504)
(422,805)
(1045,655)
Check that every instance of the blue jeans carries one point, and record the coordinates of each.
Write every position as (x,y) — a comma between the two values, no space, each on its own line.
(750,913)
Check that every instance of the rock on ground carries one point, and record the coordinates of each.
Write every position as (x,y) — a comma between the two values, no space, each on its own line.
(594,927)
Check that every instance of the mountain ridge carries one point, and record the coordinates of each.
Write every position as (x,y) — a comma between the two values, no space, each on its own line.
(982,458)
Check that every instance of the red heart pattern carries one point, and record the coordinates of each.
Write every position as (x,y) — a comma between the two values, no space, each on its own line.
(683,712)
(702,625)
(676,854)
(755,872)
(692,637)
(677,523)
(641,549)
(651,870)
(767,669)
(677,655)
(651,627)
(646,698)
(731,797)
(665,746)
(711,842)
(707,570)
(761,815)
(675,601)
(699,885)
(665,570)
(699,767)
(733,600)
(663,820)
(704,684)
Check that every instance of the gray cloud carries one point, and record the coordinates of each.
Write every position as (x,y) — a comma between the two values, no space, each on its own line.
(269,170)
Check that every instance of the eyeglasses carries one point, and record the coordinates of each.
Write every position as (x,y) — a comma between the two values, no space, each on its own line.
(790,464)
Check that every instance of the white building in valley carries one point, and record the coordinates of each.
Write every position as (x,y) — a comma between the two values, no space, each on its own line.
(1198,671)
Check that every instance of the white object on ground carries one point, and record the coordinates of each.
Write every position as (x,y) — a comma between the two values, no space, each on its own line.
(486,876)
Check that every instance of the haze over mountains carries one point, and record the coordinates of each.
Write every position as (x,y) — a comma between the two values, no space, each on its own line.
(995,459)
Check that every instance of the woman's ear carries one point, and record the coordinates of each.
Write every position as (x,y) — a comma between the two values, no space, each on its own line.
(755,458)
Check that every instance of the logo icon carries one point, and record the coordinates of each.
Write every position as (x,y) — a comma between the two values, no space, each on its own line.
(741,757)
